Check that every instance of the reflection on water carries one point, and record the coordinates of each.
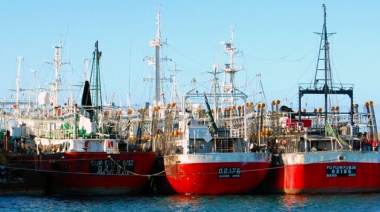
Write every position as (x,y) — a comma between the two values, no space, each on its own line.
(184,200)
(337,202)
(231,203)
(290,202)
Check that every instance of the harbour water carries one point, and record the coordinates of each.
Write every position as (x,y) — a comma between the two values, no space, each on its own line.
(352,202)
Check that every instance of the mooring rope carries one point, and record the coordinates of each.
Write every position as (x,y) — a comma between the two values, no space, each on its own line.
(160,173)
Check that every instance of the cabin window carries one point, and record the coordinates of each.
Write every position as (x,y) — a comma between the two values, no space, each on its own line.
(224,145)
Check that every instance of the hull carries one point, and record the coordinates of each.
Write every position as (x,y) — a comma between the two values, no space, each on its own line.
(216,173)
(17,178)
(326,172)
(160,182)
(99,173)
(274,181)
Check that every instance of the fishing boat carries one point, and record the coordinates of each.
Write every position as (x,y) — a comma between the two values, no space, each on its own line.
(78,148)
(325,150)
(16,176)
(210,151)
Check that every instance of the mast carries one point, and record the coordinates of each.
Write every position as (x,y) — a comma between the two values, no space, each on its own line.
(175,92)
(327,62)
(215,81)
(156,43)
(213,90)
(93,85)
(34,85)
(230,68)
(19,59)
(57,64)
(324,75)
(95,80)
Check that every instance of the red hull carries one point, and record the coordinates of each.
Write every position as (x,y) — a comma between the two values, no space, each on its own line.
(17,178)
(359,172)
(218,177)
(95,173)
(273,182)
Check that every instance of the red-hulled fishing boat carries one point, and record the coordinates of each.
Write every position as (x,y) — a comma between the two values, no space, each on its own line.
(211,151)
(216,173)
(325,151)
(96,173)
(78,147)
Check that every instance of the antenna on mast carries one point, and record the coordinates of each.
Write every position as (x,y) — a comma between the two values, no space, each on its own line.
(57,63)
(230,69)
(324,56)
(156,43)
(175,97)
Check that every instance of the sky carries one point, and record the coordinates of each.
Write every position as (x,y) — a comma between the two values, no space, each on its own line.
(275,39)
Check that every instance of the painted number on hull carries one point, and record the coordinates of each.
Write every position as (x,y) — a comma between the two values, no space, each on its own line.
(341,171)
(229,172)
(109,167)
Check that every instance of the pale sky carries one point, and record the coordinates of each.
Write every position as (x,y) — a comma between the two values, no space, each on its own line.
(275,39)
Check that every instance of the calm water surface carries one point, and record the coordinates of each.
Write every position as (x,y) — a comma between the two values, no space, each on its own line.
(359,202)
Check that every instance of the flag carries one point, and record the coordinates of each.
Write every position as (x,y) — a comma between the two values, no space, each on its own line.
(330,131)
